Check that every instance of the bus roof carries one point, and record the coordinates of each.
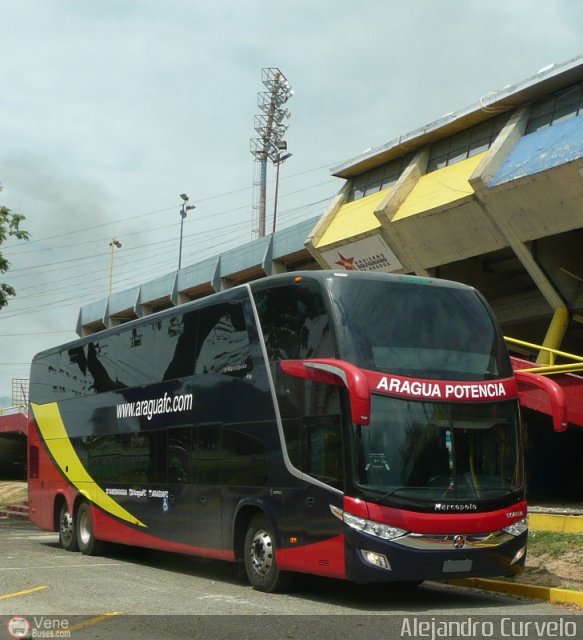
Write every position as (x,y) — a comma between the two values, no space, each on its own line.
(269,281)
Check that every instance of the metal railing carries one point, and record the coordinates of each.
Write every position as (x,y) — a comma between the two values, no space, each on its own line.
(575,365)
(7,411)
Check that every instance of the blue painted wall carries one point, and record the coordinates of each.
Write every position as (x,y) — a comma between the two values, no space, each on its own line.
(542,150)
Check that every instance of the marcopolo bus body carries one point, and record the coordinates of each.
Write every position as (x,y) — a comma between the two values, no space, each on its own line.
(354,425)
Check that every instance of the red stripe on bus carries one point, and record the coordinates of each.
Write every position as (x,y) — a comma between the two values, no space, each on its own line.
(455,521)
(325,558)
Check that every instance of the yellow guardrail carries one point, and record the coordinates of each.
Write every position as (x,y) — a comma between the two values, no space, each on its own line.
(574,366)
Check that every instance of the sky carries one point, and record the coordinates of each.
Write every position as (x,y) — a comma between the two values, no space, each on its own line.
(112,108)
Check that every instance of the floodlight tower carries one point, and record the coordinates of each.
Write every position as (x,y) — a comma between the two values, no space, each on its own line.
(271,125)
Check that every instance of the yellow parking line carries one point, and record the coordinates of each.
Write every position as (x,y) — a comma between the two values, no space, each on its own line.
(22,593)
(95,620)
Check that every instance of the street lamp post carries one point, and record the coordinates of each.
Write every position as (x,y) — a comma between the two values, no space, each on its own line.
(183,211)
(113,244)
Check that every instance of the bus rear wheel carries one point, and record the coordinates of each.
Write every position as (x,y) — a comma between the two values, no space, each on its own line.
(67,529)
(260,563)
(88,544)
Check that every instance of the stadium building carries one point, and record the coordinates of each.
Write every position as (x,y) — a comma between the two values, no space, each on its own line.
(491,196)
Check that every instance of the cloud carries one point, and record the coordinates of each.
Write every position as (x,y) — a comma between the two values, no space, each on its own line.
(112,109)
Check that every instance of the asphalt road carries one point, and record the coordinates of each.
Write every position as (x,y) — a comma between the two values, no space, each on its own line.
(136,593)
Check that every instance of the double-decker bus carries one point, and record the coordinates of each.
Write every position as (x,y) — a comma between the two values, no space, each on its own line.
(355,425)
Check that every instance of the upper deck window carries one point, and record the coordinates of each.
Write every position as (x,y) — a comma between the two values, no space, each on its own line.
(294,321)
(417,330)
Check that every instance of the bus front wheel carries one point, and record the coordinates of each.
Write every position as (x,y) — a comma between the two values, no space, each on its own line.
(67,532)
(88,544)
(260,563)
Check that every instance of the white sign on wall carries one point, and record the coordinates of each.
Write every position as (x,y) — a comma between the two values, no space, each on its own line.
(368,254)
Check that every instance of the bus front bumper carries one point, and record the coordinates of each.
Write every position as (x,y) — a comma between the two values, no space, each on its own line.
(421,557)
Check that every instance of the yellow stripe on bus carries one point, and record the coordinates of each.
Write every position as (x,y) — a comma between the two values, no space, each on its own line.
(49,421)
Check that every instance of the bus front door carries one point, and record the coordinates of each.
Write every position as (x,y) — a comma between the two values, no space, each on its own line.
(323,461)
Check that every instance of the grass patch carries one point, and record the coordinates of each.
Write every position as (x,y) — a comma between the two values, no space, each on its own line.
(552,543)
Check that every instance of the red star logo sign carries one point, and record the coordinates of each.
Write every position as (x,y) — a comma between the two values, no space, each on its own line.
(346,263)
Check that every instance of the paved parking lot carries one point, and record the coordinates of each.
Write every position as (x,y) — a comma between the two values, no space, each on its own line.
(157,595)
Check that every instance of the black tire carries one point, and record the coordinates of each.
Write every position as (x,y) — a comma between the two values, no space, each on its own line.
(260,563)
(88,544)
(67,529)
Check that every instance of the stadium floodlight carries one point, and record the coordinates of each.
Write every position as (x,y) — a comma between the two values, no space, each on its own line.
(271,125)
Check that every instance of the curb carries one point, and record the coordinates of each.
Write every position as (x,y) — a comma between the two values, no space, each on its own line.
(15,511)
(549,594)
(555,522)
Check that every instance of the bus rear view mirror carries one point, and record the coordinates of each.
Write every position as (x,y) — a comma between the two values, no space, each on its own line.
(338,372)
(555,395)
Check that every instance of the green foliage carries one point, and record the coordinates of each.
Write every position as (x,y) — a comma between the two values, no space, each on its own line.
(553,543)
(9,227)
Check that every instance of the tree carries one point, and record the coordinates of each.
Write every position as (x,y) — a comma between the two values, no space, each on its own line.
(9,227)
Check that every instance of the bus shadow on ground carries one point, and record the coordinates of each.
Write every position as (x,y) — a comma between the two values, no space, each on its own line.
(381,597)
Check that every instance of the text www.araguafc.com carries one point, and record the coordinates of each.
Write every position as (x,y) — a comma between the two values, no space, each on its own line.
(156,406)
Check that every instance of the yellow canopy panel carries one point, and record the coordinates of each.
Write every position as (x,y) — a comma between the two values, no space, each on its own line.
(440,188)
(353,218)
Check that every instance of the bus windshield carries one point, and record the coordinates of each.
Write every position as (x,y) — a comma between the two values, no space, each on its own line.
(417,330)
(429,451)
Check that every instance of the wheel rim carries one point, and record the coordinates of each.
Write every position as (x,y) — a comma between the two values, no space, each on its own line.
(66,527)
(261,552)
(84,527)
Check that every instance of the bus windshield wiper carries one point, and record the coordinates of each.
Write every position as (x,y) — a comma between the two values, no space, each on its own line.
(493,492)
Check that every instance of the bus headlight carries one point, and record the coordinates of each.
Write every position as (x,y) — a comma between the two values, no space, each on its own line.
(517,528)
(378,529)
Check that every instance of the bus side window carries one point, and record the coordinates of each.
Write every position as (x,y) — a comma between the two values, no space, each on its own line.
(45,378)
(176,345)
(294,322)
(102,365)
(158,448)
(135,357)
(207,455)
(244,463)
(296,325)
(179,454)
(223,342)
